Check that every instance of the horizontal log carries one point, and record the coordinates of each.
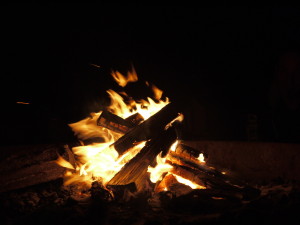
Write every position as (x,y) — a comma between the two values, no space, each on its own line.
(189,174)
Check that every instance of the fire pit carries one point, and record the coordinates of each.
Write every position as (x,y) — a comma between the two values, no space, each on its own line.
(130,166)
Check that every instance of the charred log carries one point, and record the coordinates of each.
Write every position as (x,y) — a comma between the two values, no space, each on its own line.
(185,156)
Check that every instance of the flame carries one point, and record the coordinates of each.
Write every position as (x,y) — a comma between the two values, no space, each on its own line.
(156,91)
(188,182)
(201,158)
(163,168)
(87,128)
(122,80)
(64,163)
(100,161)
(179,118)
(145,108)
(156,173)
(174,146)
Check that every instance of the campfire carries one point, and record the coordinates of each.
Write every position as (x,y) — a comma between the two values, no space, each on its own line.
(139,146)
(129,159)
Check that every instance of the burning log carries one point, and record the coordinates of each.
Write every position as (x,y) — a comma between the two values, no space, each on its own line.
(147,129)
(193,163)
(188,174)
(137,167)
(207,180)
(185,164)
(116,123)
(187,156)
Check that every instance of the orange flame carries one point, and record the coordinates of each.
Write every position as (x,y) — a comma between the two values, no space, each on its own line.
(122,80)
(64,163)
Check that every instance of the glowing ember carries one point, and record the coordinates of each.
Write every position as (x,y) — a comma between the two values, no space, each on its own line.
(23,103)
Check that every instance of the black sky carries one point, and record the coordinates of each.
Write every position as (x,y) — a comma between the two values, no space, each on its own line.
(217,62)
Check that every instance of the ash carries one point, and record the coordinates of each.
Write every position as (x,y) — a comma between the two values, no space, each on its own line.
(52,203)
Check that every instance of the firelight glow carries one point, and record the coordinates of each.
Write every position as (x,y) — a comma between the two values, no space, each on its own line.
(100,161)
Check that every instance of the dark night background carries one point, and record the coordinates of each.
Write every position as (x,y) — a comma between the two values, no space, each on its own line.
(234,71)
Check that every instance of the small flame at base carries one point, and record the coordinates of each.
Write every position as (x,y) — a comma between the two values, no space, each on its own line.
(163,169)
